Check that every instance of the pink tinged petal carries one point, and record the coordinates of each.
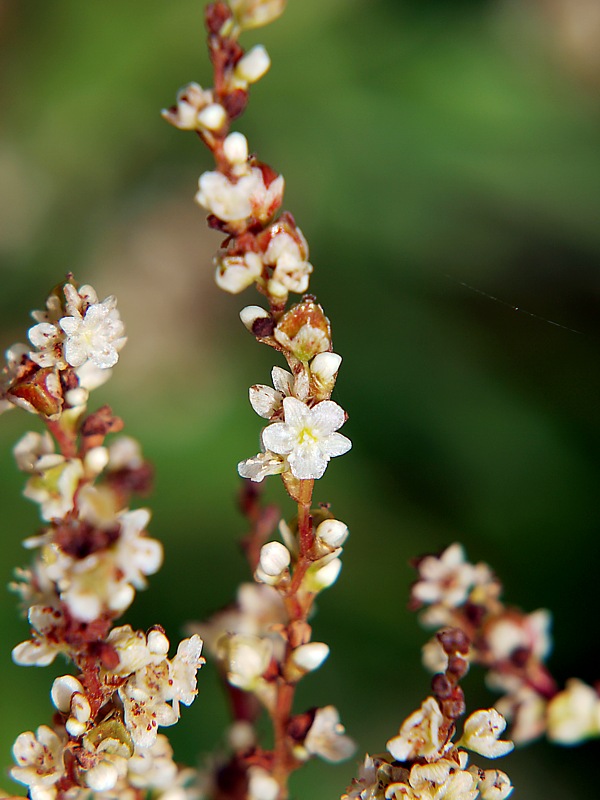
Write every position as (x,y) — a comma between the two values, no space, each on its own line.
(326,417)
(278,437)
(336,444)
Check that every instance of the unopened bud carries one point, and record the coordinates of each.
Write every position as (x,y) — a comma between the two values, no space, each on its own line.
(158,643)
(255,319)
(332,532)
(251,67)
(325,366)
(62,690)
(255,13)
(75,727)
(274,559)
(324,577)
(212,116)
(309,657)
(95,460)
(235,148)
(80,707)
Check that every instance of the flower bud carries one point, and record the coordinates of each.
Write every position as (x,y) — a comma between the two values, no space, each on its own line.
(257,320)
(252,66)
(80,707)
(324,366)
(255,13)
(75,727)
(332,532)
(274,560)
(212,117)
(309,657)
(95,460)
(235,148)
(158,643)
(63,690)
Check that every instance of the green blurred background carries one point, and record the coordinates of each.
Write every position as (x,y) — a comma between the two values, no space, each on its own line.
(437,155)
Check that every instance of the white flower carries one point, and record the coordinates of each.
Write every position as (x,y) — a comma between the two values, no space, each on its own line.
(39,758)
(514,631)
(574,714)
(184,667)
(288,254)
(495,784)
(444,579)
(245,658)
(43,648)
(236,273)
(97,336)
(192,100)
(230,202)
(308,436)
(54,489)
(137,555)
(153,767)
(327,738)
(32,450)
(482,731)
(266,401)
(419,735)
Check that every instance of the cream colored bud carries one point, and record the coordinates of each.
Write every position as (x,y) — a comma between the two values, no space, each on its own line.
(325,366)
(62,690)
(212,117)
(158,643)
(250,314)
(252,66)
(309,657)
(332,532)
(241,736)
(103,777)
(274,559)
(75,727)
(95,460)
(235,148)
(255,13)
(80,707)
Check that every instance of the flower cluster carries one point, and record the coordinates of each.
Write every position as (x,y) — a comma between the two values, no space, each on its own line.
(263,644)
(511,645)
(91,556)
(75,343)
(423,762)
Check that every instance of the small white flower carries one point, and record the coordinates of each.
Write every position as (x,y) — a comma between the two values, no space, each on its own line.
(308,436)
(514,631)
(444,579)
(230,202)
(54,489)
(245,658)
(574,714)
(419,735)
(482,731)
(236,273)
(266,401)
(288,254)
(97,336)
(327,738)
(185,665)
(495,785)
(39,758)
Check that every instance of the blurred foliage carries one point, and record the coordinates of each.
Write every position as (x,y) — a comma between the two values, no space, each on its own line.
(443,159)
